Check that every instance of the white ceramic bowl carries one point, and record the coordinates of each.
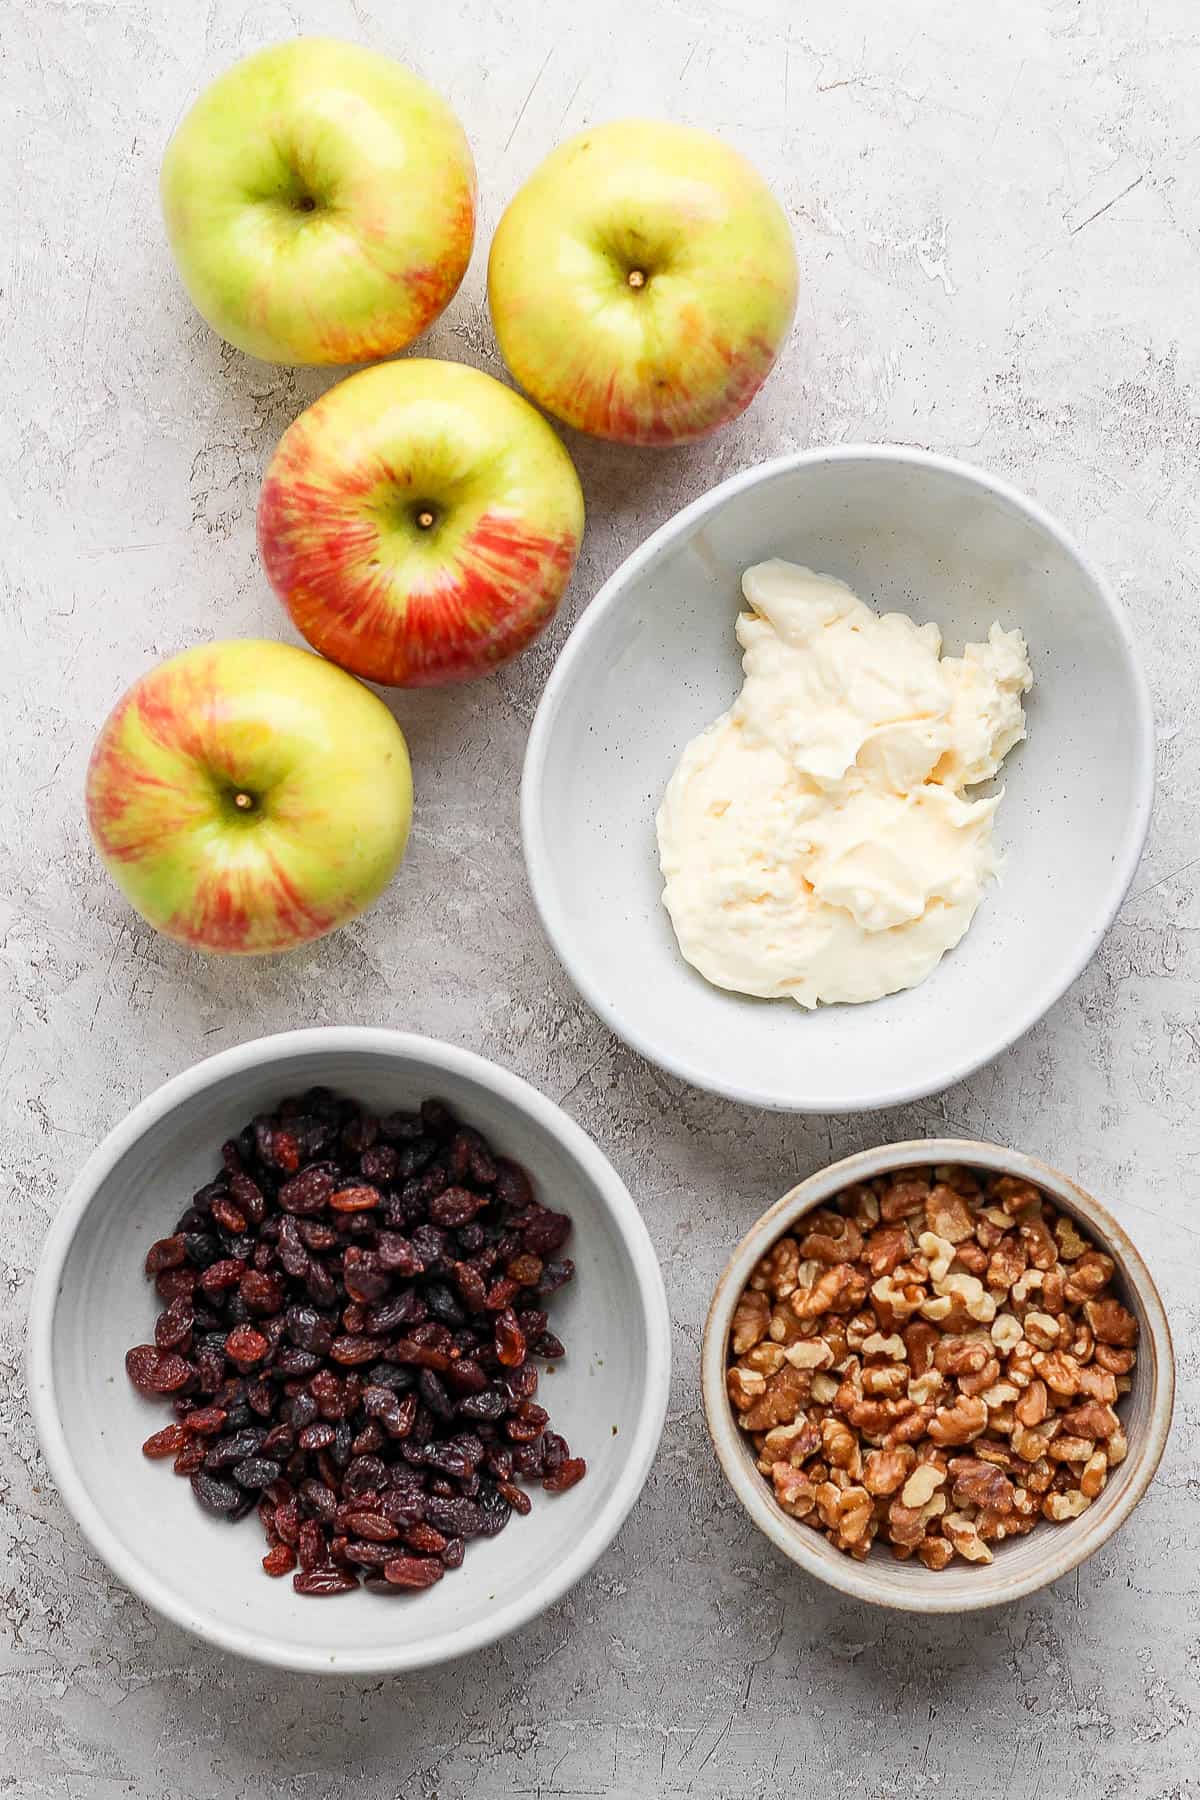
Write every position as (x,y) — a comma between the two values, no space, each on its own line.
(654,659)
(91,1301)
(1022,1565)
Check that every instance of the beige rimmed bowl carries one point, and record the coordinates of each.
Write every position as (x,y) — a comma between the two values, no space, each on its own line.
(1022,1565)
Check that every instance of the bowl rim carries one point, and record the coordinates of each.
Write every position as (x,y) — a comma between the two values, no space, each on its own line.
(640,1445)
(539,861)
(855,1579)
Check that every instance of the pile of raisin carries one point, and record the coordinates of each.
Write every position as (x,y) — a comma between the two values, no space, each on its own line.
(352,1307)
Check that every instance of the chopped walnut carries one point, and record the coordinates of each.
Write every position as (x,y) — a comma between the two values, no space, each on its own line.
(1071,1244)
(793,1490)
(838,1289)
(922,1484)
(1095,1475)
(904,1196)
(1090,1276)
(886,1470)
(1042,1330)
(777,1273)
(1111,1323)
(959,1423)
(933,1360)
(779,1403)
(1033,1405)
(831,1238)
(1065,1506)
(964,1536)
(886,1248)
(793,1443)
(981,1484)
(947,1214)
(751,1321)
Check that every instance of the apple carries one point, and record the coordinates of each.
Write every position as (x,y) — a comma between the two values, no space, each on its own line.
(420,522)
(320,203)
(642,282)
(246,796)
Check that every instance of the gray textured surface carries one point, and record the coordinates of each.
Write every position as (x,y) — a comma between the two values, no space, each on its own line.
(997,212)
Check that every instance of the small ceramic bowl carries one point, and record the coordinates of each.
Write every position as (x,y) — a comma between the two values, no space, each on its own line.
(654,659)
(91,1302)
(1022,1565)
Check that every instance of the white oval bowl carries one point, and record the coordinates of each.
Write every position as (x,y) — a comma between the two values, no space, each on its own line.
(92,1301)
(654,659)
(1022,1565)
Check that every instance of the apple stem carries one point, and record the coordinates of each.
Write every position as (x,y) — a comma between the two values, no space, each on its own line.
(244,802)
(637,278)
(425,520)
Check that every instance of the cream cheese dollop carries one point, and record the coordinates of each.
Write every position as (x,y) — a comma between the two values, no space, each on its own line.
(816,840)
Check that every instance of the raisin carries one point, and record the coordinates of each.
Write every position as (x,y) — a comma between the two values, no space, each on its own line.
(510,1339)
(280,1560)
(173,1328)
(405,1309)
(455,1206)
(311,1544)
(325,1580)
(165,1442)
(488,1405)
(363,1277)
(207,1420)
(218,1276)
(376,1526)
(512,1184)
(425,1538)
(228,1215)
(457,1518)
(320,1500)
(316,1437)
(244,1345)
(413,1571)
(546,1232)
(220,1497)
(572,1470)
(326,1344)
(156,1371)
(308,1330)
(355,1199)
(307,1192)
(167,1253)
(396,1254)
(262,1293)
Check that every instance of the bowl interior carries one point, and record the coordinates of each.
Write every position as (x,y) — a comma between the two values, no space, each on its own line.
(1022,1564)
(647,670)
(206,1573)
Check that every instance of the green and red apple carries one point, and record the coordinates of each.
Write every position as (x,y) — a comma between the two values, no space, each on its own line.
(320,203)
(246,796)
(642,282)
(420,522)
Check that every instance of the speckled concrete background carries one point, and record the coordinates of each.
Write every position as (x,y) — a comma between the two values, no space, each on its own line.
(997,212)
